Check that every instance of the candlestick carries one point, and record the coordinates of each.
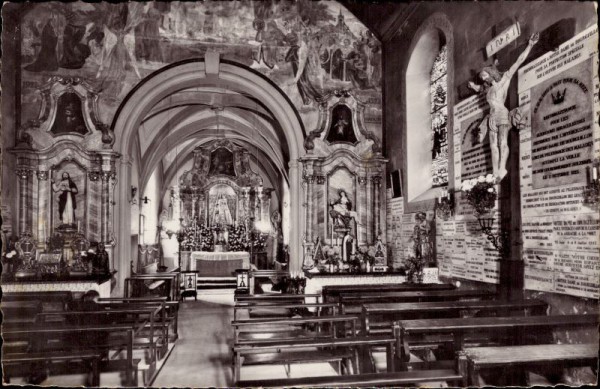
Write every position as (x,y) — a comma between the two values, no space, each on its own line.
(595,173)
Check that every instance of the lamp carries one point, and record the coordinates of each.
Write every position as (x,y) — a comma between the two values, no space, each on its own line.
(499,240)
(133,193)
(144,199)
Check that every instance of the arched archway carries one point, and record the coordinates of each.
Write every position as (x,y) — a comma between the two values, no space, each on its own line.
(198,73)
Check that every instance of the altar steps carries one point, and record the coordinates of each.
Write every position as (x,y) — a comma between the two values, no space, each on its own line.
(216,283)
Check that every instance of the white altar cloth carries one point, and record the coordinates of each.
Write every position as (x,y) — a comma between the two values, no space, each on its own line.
(222,264)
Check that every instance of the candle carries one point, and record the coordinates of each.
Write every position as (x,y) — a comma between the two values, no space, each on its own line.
(595,173)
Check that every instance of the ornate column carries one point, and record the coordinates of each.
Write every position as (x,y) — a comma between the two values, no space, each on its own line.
(105,206)
(295,242)
(376,206)
(308,181)
(43,199)
(258,202)
(362,211)
(25,197)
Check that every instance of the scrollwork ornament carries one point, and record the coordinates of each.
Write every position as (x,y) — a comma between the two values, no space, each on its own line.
(320,180)
(94,176)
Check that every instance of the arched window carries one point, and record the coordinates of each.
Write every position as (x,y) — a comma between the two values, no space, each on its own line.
(438,89)
(428,95)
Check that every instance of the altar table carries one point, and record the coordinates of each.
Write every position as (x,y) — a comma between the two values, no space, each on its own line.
(221,264)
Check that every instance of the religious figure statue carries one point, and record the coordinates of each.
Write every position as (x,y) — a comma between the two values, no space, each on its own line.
(101,263)
(221,213)
(341,211)
(66,199)
(495,85)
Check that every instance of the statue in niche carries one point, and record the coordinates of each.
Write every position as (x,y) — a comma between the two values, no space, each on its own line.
(341,211)
(221,162)
(495,85)
(67,202)
(69,116)
(221,213)
(341,129)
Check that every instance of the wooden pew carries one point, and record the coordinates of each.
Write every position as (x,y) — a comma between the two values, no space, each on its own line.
(356,299)
(270,298)
(310,350)
(18,313)
(414,330)
(150,318)
(254,275)
(544,356)
(330,323)
(395,379)
(48,342)
(332,292)
(153,285)
(22,364)
(171,308)
(49,300)
(284,308)
(376,317)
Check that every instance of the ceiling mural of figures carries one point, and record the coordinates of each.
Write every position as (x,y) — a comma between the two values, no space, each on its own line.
(307,48)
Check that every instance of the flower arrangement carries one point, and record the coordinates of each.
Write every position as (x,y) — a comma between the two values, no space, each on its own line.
(237,238)
(414,269)
(481,193)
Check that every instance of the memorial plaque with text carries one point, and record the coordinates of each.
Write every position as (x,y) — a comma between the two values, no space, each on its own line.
(558,98)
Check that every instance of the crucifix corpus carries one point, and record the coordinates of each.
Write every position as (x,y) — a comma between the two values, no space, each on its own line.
(497,122)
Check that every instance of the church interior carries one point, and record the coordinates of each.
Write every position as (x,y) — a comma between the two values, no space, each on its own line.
(300,193)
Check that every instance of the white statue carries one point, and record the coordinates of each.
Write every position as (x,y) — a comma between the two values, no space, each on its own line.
(221,213)
(495,85)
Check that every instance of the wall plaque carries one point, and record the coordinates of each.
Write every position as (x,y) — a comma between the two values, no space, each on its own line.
(558,98)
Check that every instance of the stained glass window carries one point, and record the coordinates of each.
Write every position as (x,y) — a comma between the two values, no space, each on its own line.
(438,89)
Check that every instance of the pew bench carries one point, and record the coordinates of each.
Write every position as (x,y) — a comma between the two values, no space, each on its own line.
(171,308)
(352,302)
(20,364)
(51,300)
(279,309)
(398,379)
(270,298)
(49,340)
(376,318)
(350,349)
(332,323)
(331,293)
(153,285)
(514,326)
(539,356)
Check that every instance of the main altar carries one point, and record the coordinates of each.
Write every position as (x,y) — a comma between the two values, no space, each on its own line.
(226,213)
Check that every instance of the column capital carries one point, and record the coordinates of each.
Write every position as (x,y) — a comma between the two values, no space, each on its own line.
(23,173)
(376,180)
(362,180)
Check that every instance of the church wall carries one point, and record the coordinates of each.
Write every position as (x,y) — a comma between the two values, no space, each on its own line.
(10,100)
(474,24)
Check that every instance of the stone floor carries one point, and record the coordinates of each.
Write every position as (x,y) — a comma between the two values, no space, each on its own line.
(202,356)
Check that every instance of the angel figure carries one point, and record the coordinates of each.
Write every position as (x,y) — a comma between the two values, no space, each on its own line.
(495,86)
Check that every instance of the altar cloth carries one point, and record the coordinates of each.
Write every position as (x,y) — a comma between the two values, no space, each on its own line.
(220,264)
